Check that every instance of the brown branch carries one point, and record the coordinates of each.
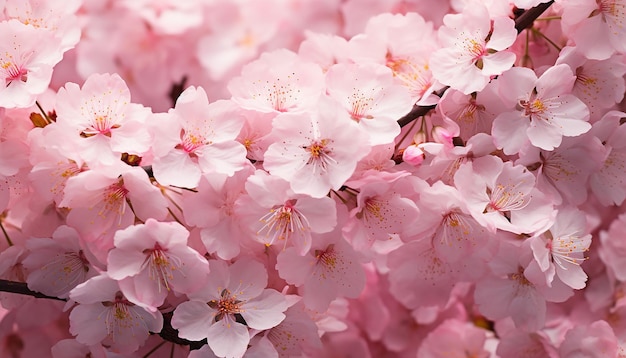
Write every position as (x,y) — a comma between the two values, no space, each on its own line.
(168,332)
(22,289)
(522,22)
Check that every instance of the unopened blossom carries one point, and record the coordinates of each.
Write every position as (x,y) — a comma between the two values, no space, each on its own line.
(150,260)
(232,291)
(27,56)
(473,50)
(104,315)
(541,110)
(315,152)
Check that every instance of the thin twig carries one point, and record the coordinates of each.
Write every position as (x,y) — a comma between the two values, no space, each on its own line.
(6,234)
(45,115)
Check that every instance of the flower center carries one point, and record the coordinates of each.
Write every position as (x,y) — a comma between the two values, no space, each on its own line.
(320,155)
(227,305)
(282,221)
(13,72)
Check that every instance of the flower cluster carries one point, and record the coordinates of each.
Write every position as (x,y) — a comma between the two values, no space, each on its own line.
(293,178)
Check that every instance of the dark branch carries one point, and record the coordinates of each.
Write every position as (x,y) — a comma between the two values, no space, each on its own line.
(523,21)
(22,289)
(529,16)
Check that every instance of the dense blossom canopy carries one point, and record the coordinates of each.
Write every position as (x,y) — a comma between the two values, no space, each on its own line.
(303,178)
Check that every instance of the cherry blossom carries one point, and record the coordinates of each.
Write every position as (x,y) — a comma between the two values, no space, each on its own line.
(236,290)
(151,259)
(560,250)
(332,269)
(545,111)
(27,56)
(500,195)
(56,265)
(104,315)
(312,153)
(602,18)
(371,178)
(472,51)
(99,121)
(280,217)
(197,137)
(278,82)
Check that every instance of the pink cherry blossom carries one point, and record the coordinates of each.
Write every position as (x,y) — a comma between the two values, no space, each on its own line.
(236,290)
(313,152)
(151,259)
(382,211)
(600,84)
(56,265)
(545,111)
(101,204)
(167,16)
(595,340)
(236,35)
(332,269)
(278,82)
(197,137)
(278,216)
(472,49)
(613,249)
(445,221)
(509,292)
(371,98)
(215,210)
(608,183)
(561,250)
(58,17)
(27,56)
(419,276)
(104,315)
(562,173)
(587,20)
(454,338)
(404,44)
(500,195)
(99,121)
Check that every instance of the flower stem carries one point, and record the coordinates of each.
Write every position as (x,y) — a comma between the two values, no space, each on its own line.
(6,234)
(45,115)
(537,32)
